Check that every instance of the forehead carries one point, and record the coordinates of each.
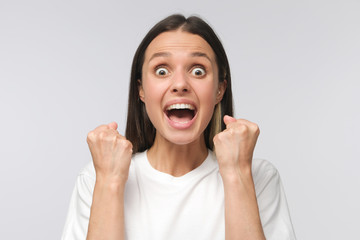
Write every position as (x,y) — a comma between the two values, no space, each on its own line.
(178,42)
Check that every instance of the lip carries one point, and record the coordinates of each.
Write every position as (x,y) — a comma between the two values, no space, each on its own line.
(180,125)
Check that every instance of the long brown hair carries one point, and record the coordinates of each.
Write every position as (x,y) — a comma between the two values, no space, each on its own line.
(139,129)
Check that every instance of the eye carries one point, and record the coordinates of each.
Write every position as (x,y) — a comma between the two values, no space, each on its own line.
(198,71)
(161,71)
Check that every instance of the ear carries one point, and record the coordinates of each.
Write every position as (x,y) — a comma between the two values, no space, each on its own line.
(141,91)
(221,91)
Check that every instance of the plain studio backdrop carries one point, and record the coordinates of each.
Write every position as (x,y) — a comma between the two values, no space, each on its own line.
(65,67)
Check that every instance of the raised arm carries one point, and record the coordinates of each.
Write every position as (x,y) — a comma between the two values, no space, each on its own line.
(111,155)
(234,150)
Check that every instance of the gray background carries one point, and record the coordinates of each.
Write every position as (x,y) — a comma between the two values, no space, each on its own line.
(64,69)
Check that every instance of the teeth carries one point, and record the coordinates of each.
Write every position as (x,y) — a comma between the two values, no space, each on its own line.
(180,106)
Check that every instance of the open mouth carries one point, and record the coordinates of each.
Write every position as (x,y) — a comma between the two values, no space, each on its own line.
(180,112)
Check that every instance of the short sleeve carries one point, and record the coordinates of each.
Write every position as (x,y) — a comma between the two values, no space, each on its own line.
(273,207)
(77,221)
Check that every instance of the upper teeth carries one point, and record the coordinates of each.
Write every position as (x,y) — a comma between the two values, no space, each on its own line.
(180,106)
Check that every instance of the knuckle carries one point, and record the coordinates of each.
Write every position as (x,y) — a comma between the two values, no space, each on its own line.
(101,135)
(242,129)
(220,136)
(125,143)
(112,138)
(216,139)
(253,125)
(129,144)
(90,136)
(232,131)
(256,128)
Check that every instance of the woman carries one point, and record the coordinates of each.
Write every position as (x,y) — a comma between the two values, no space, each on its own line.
(184,170)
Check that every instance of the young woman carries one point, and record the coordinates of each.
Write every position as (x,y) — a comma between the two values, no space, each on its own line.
(185,168)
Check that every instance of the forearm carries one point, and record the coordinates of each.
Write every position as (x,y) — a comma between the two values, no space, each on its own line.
(242,219)
(107,212)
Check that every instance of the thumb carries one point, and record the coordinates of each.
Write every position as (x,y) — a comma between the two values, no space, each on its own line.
(113,125)
(228,119)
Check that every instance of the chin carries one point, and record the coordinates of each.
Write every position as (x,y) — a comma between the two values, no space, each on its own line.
(182,139)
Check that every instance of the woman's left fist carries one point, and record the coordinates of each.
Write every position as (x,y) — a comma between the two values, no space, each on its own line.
(235,145)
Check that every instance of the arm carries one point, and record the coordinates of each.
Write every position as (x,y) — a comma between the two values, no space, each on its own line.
(107,212)
(111,155)
(242,219)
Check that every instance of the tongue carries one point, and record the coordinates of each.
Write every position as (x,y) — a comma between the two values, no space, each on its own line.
(180,115)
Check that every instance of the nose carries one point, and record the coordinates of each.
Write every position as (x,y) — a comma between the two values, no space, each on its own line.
(180,83)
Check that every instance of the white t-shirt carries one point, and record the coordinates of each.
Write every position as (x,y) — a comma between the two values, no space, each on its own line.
(159,206)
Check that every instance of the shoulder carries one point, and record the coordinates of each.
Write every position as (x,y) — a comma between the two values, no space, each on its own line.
(264,173)
(139,156)
(88,171)
(262,166)
(272,203)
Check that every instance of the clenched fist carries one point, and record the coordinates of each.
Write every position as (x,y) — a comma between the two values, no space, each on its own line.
(111,153)
(235,145)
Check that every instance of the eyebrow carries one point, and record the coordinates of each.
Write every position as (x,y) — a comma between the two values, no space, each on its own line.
(200,54)
(167,54)
(160,54)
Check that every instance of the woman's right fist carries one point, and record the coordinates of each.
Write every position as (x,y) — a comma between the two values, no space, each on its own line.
(111,153)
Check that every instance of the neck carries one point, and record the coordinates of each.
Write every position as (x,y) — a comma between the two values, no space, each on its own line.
(174,159)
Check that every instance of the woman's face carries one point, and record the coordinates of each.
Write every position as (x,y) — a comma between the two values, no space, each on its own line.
(180,85)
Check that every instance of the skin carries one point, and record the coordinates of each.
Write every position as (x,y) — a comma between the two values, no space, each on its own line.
(173,52)
(180,67)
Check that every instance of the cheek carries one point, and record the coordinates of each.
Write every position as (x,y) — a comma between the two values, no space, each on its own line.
(207,97)
(207,93)
(152,89)
(153,96)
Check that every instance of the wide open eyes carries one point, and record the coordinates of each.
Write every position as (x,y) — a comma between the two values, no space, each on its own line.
(161,71)
(198,72)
